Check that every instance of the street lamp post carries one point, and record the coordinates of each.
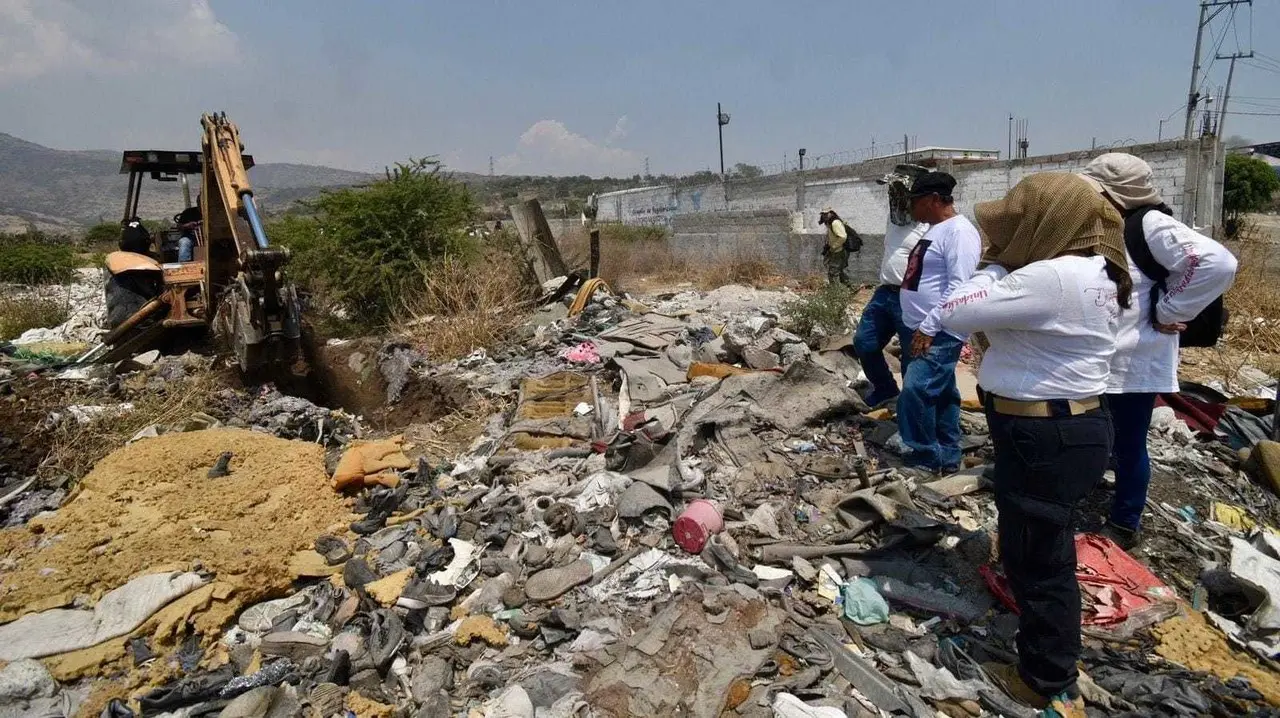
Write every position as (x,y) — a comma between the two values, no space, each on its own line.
(722,119)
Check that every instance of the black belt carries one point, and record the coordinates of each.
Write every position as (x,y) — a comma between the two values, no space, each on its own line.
(894,287)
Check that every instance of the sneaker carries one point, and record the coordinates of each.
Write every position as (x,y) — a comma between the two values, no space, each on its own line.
(1007,678)
(881,401)
(1125,538)
(1064,706)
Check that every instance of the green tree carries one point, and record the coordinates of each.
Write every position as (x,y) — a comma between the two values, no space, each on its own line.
(1247,186)
(364,248)
(746,171)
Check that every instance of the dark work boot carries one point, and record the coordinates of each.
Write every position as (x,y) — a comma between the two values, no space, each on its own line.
(383,503)
(1127,539)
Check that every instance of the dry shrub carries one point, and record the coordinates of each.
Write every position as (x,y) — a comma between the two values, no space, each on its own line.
(467,305)
(18,314)
(74,448)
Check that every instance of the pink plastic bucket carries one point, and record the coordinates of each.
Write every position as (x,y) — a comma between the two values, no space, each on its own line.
(699,521)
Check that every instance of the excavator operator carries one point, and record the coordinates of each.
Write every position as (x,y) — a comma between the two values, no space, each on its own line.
(187,221)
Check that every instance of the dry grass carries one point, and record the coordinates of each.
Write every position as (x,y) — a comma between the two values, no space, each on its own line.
(1254,300)
(1252,336)
(748,268)
(18,314)
(466,305)
(624,261)
(74,448)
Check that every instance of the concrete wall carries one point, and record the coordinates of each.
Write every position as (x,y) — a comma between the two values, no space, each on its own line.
(1188,174)
(765,234)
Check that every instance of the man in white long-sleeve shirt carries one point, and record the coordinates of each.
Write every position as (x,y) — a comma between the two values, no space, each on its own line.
(944,258)
(881,319)
(1146,359)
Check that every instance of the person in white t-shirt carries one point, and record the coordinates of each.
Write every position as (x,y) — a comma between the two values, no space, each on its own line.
(1048,303)
(1146,359)
(881,319)
(929,405)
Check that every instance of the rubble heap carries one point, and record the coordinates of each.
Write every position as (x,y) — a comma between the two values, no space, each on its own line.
(689,512)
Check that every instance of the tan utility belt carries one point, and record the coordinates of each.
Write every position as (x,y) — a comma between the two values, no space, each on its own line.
(1044,409)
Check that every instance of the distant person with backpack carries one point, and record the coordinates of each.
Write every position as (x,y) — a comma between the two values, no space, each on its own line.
(1179,277)
(841,242)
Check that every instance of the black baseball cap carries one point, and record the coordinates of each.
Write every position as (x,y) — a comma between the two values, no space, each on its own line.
(939,183)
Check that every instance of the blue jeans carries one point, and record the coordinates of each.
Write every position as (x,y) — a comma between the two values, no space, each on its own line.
(881,319)
(929,405)
(186,248)
(1131,414)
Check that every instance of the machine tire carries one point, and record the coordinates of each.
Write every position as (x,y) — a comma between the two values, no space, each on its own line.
(125,296)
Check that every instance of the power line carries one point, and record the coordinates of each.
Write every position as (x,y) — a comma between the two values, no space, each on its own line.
(1223,36)
(1264,68)
(1255,114)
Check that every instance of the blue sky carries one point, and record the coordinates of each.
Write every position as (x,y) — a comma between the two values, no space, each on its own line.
(596,87)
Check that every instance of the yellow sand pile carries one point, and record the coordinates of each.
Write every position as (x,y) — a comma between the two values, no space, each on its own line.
(150,506)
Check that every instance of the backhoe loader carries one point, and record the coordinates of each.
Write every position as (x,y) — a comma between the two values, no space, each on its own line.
(213,269)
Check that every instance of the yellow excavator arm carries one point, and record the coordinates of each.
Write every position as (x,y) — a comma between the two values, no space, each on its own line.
(256,307)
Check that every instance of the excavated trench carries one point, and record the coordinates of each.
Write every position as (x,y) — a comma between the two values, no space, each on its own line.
(365,377)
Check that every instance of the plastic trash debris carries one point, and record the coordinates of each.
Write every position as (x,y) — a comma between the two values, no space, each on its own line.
(863,604)
(696,524)
(786,705)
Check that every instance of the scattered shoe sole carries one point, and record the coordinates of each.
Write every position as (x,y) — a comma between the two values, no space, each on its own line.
(293,645)
(553,583)
(259,618)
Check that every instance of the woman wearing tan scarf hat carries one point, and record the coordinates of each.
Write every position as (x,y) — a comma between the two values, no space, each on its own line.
(1048,303)
(1146,360)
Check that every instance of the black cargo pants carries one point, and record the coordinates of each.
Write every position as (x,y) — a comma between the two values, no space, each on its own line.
(1044,468)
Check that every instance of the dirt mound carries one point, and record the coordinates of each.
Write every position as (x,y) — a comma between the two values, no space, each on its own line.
(151,505)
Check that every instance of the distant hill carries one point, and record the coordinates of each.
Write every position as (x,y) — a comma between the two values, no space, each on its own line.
(61,190)
(64,191)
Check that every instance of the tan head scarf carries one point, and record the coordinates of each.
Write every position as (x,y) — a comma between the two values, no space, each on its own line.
(1125,178)
(1047,215)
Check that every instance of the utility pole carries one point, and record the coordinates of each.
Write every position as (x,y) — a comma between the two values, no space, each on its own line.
(1226,94)
(722,119)
(1193,95)
(1160,132)
(490,165)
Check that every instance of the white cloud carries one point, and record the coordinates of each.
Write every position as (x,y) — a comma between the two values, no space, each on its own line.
(42,37)
(548,147)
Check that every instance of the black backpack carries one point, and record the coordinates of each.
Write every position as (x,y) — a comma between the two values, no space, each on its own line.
(852,242)
(1206,328)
